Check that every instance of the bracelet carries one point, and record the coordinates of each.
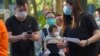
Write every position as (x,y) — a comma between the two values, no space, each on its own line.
(87,42)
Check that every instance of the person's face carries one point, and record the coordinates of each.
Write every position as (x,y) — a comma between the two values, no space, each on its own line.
(21,11)
(67,8)
(97,14)
(50,19)
(22,8)
(54,30)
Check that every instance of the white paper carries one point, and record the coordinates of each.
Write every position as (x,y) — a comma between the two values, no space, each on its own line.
(74,40)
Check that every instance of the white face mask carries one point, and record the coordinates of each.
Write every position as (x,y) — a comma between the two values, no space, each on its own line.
(98,18)
(21,14)
(56,34)
(59,29)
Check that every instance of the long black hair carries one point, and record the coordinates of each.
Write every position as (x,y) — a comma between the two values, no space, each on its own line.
(74,19)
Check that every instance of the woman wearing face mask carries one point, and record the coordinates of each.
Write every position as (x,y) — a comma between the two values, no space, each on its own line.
(81,25)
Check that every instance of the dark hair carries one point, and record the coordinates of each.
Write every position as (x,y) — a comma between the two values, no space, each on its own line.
(49,13)
(21,2)
(98,9)
(76,9)
(51,28)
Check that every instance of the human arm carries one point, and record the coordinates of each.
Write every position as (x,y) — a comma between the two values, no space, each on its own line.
(17,38)
(93,28)
(91,40)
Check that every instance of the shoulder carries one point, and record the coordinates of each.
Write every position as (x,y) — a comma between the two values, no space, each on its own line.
(2,26)
(85,14)
(1,23)
(10,18)
(31,17)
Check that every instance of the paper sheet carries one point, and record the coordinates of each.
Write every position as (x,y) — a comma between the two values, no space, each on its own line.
(74,40)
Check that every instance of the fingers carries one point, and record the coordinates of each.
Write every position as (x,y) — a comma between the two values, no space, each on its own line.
(83,43)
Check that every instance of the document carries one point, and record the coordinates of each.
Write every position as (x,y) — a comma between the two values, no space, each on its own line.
(73,40)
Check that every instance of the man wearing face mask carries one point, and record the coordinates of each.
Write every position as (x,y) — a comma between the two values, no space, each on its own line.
(23,30)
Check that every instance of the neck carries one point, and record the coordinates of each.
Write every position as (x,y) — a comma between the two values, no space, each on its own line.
(19,18)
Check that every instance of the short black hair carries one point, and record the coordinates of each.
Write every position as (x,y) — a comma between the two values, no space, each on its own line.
(21,2)
(98,9)
(51,28)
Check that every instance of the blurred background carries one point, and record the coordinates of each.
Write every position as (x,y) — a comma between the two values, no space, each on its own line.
(38,8)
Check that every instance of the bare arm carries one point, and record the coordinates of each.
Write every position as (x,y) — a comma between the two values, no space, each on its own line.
(45,45)
(91,40)
(16,38)
(94,38)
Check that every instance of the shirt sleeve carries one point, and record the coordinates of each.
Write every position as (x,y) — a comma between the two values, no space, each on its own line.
(91,23)
(8,25)
(35,25)
(3,40)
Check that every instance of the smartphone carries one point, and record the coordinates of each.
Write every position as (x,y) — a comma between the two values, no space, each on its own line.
(29,32)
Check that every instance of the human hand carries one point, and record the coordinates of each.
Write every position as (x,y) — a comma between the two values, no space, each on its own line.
(25,36)
(83,43)
(35,36)
(61,44)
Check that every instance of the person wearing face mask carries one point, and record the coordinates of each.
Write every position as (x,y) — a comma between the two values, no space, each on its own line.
(51,40)
(50,20)
(80,25)
(97,19)
(23,30)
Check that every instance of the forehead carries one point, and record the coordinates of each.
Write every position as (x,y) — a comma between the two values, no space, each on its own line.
(50,15)
(64,3)
(97,12)
(55,29)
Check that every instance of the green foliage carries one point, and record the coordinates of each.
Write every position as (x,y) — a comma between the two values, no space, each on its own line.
(41,19)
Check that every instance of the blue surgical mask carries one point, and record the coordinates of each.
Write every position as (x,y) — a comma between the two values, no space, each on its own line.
(51,21)
(97,18)
(67,10)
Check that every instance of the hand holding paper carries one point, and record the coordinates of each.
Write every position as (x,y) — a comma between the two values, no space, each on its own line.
(73,40)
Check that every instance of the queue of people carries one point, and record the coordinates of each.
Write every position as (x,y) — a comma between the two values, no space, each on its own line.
(76,31)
